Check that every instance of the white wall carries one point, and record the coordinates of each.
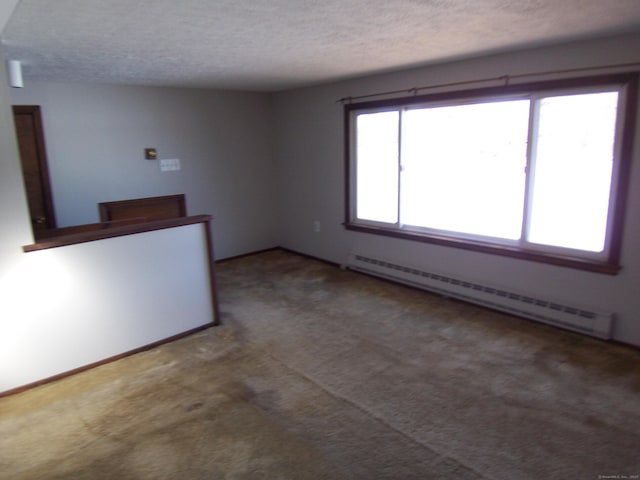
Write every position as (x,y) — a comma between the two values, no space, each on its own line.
(68,307)
(310,184)
(96,135)
(6,9)
(15,229)
(14,223)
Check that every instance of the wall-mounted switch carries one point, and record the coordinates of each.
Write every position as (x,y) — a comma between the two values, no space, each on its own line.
(316,226)
(169,164)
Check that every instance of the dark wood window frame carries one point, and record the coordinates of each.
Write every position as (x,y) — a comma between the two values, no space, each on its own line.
(610,265)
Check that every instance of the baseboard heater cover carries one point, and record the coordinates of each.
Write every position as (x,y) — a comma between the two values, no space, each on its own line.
(577,319)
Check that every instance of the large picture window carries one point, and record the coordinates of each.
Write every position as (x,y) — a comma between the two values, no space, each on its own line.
(537,171)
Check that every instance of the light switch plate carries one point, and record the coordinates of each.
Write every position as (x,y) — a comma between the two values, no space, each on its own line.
(169,164)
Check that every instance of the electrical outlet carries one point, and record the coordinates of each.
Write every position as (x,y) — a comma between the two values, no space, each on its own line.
(316,226)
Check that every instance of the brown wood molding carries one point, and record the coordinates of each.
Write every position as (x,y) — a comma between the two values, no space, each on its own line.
(119,231)
(34,165)
(51,233)
(150,208)
(212,273)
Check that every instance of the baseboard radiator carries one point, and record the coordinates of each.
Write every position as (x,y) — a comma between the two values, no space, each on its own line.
(569,317)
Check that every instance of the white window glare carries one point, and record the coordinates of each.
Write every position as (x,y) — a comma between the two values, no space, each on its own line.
(573,167)
(377,166)
(463,168)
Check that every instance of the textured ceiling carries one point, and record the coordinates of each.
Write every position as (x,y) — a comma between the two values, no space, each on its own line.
(269,45)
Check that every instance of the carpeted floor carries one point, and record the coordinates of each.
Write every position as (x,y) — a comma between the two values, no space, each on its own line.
(320,373)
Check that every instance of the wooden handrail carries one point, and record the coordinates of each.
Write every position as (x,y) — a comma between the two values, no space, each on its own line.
(116,231)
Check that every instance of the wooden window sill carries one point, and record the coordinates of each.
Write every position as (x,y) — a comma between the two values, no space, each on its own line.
(495,249)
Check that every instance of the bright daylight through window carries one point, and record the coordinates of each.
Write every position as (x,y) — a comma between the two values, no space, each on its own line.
(536,171)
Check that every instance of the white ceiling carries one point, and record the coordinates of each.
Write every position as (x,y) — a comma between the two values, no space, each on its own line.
(270,45)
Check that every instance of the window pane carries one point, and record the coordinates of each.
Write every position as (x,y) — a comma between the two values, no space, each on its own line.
(573,167)
(463,168)
(377,166)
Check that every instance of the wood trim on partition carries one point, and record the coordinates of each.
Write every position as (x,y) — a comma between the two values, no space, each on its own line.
(52,233)
(212,272)
(120,231)
(120,356)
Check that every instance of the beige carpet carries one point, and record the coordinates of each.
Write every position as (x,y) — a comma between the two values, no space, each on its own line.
(319,373)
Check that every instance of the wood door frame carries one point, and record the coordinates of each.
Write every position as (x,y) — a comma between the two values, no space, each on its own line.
(34,112)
